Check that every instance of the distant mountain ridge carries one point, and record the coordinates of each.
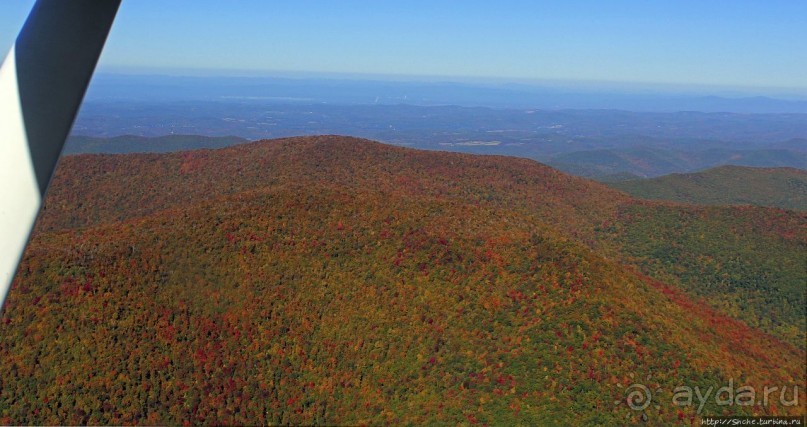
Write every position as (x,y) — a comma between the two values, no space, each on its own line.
(654,162)
(124,144)
(726,185)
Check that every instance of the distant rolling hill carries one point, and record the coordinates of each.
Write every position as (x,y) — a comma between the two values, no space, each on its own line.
(124,144)
(796,144)
(652,162)
(726,185)
(334,280)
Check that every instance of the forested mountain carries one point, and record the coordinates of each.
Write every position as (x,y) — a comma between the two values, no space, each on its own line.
(727,185)
(334,280)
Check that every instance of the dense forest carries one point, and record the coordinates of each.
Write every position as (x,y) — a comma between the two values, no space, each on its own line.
(726,185)
(332,280)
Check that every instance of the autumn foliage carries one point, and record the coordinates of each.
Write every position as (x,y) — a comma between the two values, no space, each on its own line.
(330,280)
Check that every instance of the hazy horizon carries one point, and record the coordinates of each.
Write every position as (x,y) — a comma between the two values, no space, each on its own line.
(612,86)
(690,47)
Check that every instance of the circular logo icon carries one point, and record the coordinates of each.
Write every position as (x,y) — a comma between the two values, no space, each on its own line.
(638,397)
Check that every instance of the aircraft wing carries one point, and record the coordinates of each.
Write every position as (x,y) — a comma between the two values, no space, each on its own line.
(42,83)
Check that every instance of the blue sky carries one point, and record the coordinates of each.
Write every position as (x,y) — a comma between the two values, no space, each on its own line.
(739,43)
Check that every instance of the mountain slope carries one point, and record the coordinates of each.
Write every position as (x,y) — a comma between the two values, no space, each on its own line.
(100,189)
(339,281)
(726,185)
(746,261)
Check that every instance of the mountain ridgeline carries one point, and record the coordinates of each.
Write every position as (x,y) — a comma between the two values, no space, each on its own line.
(335,280)
(78,144)
(597,144)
